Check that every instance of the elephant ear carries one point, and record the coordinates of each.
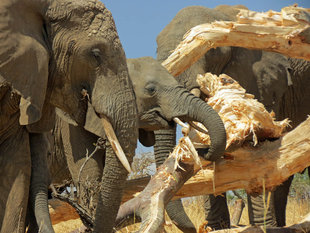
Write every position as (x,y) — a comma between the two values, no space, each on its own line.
(147,138)
(24,57)
(273,75)
(93,123)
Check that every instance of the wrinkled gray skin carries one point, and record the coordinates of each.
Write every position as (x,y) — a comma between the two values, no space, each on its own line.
(159,98)
(279,83)
(49,52)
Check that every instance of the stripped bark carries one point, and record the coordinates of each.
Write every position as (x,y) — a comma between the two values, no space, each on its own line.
(286,32)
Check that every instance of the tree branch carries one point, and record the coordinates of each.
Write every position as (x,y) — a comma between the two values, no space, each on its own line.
(285,32)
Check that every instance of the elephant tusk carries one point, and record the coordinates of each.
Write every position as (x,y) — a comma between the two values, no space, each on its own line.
(114,143)
(181,123)
(198,127)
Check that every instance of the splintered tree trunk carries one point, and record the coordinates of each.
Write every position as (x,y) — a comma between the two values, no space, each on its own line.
(268,164)
(286,32)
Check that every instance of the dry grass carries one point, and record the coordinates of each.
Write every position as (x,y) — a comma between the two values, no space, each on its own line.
(295,211)
(66,220)
(67,226)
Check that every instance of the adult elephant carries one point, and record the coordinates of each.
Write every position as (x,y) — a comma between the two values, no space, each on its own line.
(276,81)
(63,54)
(159,100)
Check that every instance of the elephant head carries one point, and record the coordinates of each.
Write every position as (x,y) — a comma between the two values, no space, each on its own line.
(67,55)
(160,99)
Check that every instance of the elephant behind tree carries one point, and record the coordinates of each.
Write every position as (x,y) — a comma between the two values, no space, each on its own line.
(276,81)
(63,54)
(159,99)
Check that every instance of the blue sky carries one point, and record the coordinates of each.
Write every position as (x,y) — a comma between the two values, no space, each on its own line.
(138,22)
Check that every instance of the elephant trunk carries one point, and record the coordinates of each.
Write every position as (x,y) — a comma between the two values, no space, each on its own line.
(195,109)
(198,110)
(39,183)
(124,123)
(165,142)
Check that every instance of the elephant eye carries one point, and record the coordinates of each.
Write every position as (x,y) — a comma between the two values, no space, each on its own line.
(96,53)
(150,88)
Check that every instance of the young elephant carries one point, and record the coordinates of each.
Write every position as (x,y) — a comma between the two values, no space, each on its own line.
(159,99)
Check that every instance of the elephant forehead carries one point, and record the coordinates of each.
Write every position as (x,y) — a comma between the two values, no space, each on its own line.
(63,8)
(90,17)
(147,69)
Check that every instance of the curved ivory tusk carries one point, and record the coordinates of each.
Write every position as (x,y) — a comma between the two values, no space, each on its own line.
(197,127)
(178,121)
(114,143)
(181,123)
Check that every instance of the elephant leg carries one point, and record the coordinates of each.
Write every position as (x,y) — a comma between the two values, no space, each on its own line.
(165,142)
(256,210)
(15,173)
(280,201)
(216,211)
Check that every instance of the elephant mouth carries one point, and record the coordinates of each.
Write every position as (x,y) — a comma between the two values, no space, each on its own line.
(93,118)
(153,120)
